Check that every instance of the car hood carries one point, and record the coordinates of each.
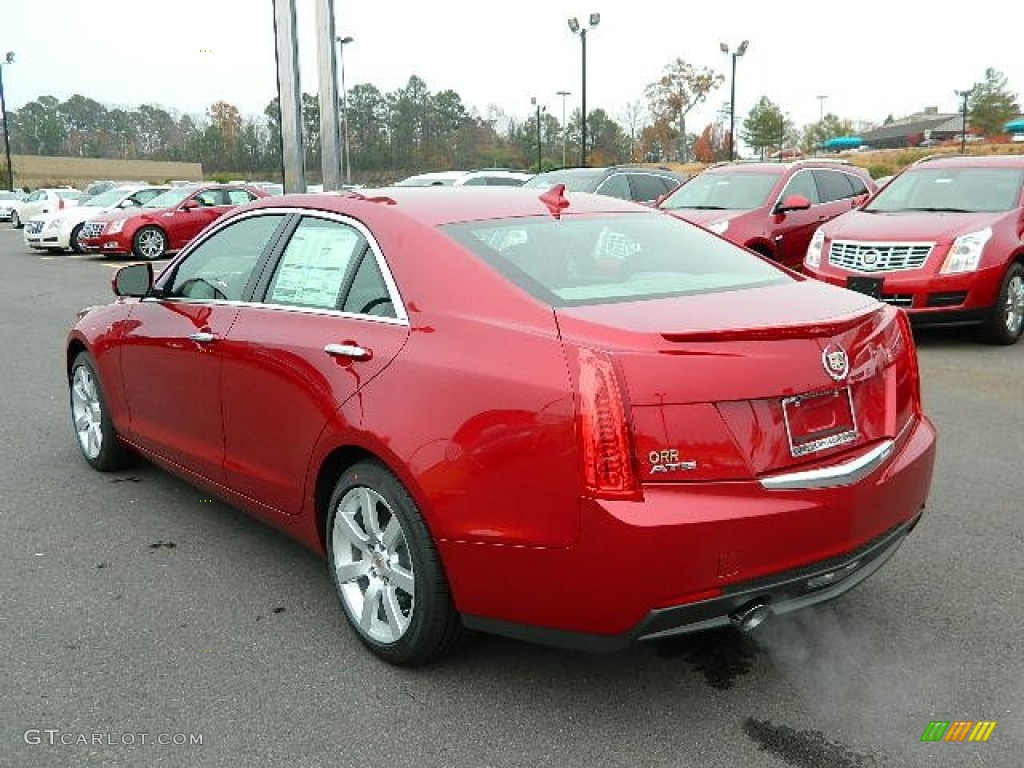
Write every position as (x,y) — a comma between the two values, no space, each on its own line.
(705,217)
(931,227)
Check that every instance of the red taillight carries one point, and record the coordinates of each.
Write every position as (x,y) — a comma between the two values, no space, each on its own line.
(907,354)
(605,441)
(60,203)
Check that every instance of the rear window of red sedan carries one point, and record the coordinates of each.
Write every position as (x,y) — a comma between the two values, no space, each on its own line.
(578,260)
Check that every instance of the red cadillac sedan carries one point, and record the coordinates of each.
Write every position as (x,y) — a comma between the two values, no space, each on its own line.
(565,418)
(165,223)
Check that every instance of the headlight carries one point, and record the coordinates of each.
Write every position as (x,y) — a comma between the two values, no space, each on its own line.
(813,257)
(966,252)
(52,224)
(719,227)
(115,226)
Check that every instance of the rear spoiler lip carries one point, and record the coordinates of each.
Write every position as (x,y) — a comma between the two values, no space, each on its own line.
(812,330)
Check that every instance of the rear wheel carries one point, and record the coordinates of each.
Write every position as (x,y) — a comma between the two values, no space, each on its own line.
(15,220)
(386,570)
(149,243)
(75,240)
(1006,321)
(97,438)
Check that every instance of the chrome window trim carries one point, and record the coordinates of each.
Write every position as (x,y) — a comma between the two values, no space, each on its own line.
(277,308)
(402,316)
(782,194)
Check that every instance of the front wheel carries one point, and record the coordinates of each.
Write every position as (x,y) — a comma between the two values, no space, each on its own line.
(97,438)
(149,243)
(1006,321)
(386,570)
(15,220)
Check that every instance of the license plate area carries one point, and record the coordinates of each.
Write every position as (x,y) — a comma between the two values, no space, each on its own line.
(869,286)
(818,421)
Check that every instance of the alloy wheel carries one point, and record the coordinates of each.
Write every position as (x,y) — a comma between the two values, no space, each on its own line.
(373,565)
(151,243)
(87,412)
(1013,309)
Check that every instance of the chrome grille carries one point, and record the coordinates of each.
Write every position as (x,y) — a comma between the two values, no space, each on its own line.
(92,229)
(33,227)
(878,257)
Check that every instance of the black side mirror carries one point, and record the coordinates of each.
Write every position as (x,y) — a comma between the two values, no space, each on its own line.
(135,280)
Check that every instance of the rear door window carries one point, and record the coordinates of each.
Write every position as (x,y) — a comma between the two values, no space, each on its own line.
(832,185)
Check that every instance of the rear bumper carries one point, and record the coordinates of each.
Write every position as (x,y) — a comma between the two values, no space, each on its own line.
(690,555)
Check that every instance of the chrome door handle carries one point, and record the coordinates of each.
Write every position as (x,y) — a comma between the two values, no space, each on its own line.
(202,337)
(351,351)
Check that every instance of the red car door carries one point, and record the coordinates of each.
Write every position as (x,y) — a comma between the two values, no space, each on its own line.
(792,230)
(328,324)
(193,215)
(171,360)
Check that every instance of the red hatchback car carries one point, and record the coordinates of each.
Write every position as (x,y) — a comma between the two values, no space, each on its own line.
(770,208)
(165,223)
(570,419)
(944,240)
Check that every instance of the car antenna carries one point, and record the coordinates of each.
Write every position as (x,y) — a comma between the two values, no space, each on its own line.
(555,200)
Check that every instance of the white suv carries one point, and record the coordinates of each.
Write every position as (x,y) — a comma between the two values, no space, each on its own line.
(489,177)
(43,201)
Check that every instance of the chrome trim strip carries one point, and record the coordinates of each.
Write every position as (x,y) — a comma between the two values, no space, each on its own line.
(835,476)
(277,308)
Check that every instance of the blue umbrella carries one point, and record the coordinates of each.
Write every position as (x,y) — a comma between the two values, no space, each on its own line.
(843,142)
(1015,126)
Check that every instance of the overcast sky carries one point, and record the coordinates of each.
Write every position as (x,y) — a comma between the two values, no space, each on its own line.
(870,59)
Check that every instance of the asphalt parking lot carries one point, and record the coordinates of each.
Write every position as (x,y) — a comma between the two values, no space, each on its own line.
(136,610)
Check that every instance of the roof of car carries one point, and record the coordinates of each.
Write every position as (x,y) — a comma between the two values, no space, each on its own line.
(448,205)
(973,161)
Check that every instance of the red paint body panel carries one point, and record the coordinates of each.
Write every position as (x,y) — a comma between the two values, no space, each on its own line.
(473,403)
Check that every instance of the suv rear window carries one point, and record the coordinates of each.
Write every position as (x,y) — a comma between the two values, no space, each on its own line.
(951,189)
(603,259)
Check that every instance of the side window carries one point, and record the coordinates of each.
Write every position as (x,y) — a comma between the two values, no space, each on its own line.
(504,181)
(313,269)
(143,196)
(238,196)
(802,183)
(35,196)
(369,293)
(476,181)
(859,187)
(616,185)
(646,187)
(208,198)
(221,266)
(833,185)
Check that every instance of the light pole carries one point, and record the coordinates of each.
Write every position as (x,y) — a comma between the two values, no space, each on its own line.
(563,94)
(533,100)
(821,107)
(342,42)
(576,29)
(8,59)
(963,125)
(732,95)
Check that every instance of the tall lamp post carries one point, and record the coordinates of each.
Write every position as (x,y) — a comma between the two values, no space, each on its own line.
(732,95)
(536,104)
(342,42)
(576,29)
(563,94)
(8,59)
(963,125)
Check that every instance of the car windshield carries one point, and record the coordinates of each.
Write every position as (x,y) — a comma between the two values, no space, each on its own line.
(576,181)
(951,189)
(603,259)
(426,181)
(103,199)
(169,199)
(734,191)
(70,194)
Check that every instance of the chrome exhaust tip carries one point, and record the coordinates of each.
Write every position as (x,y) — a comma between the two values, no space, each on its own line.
(750,615)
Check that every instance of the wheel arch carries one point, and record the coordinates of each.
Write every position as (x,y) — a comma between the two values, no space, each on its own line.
(333,465)
(75,348)
(761,247)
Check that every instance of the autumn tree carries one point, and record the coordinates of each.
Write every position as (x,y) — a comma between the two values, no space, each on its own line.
(680,88)
(829,127)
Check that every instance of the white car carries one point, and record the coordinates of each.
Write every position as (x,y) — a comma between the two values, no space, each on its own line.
(61,229)
(491,177)
(43,201)
(7,200)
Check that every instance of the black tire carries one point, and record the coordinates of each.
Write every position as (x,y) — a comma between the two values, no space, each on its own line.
(90,418)
(398,567)
(1006,320)
(149,243)
(76,246)
(15,220)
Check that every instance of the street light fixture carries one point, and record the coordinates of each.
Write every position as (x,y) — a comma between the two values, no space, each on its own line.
(8,59)
(342,42)
(563,94)
(742,49)
(963,125)
(576,29)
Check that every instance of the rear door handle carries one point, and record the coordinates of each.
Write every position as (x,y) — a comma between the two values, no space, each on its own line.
(350,350)
(202,337)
